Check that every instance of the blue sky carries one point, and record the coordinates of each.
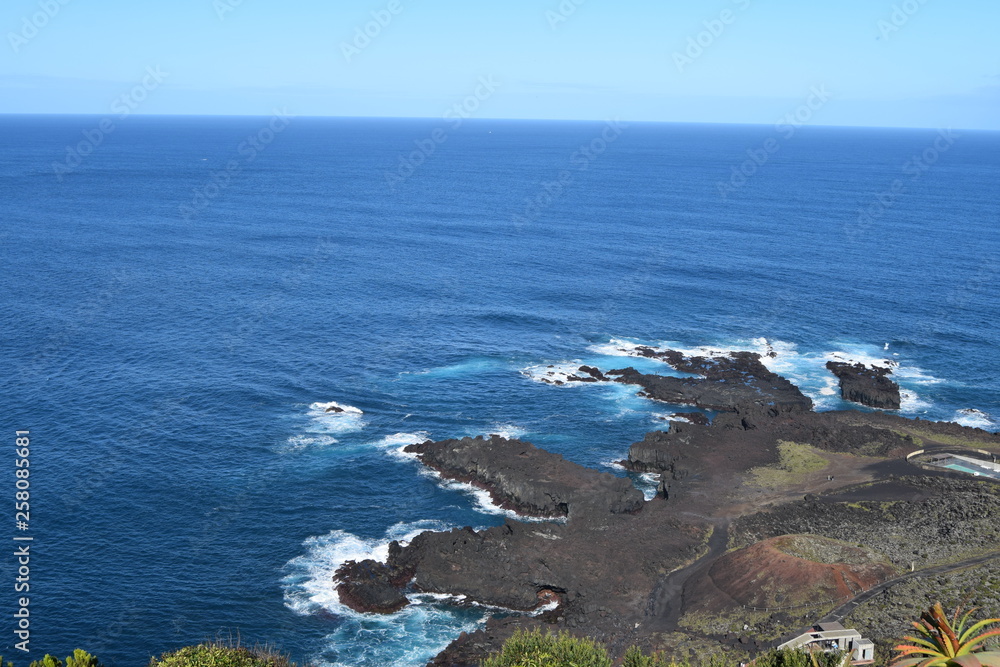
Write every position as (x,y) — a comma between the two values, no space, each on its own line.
(881,62)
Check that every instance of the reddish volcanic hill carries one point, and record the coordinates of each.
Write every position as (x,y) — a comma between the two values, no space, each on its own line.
(788,571)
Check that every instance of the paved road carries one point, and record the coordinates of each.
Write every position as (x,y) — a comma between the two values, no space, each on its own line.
(843,610)
(667,599)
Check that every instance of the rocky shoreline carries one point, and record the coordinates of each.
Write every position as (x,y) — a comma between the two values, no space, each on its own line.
(601,571)
(530,481)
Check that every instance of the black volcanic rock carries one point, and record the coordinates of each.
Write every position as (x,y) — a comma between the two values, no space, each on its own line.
(756,397)
(867,385)
(370,586)
(586,567)
(692,417)
(528,480)
(735,382)
(593,373)
(724,449)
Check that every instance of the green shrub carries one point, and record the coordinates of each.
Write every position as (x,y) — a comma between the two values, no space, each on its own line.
(80,658)
(534,649)
(47,661)
(219,654)
(800,658)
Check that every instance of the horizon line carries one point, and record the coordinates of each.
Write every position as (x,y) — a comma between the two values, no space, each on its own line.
(483,119)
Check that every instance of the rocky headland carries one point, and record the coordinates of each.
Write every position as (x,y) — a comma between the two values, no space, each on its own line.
(530,481)
(830,493)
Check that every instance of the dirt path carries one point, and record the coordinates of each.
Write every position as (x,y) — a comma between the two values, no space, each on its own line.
(667,600)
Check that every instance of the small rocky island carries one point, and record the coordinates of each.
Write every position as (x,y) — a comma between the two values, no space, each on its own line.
(770,517)
(867,385)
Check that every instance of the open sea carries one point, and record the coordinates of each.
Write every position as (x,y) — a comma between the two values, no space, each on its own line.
(184,296)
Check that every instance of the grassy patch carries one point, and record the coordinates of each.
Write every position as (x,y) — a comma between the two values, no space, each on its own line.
(797,461)
(221,654)
(945,439)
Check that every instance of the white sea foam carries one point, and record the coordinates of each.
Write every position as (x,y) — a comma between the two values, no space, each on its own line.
(508,431)
(544,608)
(349,420)
(808,370)
(402,439)
(298,442)
(616,347)
(410,636)
(908,376)
(620,347)
(309,586)
(554,373)
(395,444)
(343,409)
(975,418)
(647,482)
(483,502)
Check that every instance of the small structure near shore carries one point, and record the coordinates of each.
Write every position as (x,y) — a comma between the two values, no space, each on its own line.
(975,462)
(835,637)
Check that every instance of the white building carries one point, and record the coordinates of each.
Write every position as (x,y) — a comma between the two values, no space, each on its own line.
(832,637)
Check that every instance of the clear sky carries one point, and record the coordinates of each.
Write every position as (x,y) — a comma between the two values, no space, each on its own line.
(912,63)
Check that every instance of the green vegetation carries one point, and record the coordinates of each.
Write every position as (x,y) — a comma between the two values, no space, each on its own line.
(634,657)
(534,649)
(800,658)
(796,462)
(221,654)
(827,550)
(941,643)
(80,658)
(929,438)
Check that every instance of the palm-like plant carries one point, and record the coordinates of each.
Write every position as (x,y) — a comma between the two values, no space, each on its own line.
(939,644)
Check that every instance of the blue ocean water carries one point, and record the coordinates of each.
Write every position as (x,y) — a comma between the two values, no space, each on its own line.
(180,306)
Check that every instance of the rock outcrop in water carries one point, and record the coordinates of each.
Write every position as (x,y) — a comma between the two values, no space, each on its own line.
(738,383)
(867,385)
(370,586)
(528,480)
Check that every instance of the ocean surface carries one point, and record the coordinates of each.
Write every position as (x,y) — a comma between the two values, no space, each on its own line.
(183,297)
